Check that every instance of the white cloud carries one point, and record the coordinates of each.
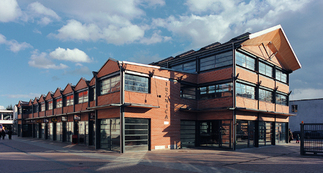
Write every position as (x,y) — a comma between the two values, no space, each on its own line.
(155,38)
(14,46)
(28,96)
(74,55)
(42,61)
(306,93)
(9,10)
(220,20)
(75,30)
(43,15)
(2,107)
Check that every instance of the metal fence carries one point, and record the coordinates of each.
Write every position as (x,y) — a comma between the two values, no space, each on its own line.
(311,138)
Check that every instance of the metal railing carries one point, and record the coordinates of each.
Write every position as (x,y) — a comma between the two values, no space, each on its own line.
(311,138)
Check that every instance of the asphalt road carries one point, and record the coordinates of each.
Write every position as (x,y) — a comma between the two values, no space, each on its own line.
(27,155)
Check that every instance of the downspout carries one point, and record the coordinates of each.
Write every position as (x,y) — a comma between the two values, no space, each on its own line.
(97,125)
(234,97)
(122,119)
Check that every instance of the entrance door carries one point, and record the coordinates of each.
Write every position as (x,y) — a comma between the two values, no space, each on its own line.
(187,134)
(215,133)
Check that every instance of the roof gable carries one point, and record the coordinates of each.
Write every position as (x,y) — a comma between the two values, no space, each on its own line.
(81,84)
(68,89)
(57,93)
(272,45)
(35,100)
(49,96)
(109,67)
(41,99)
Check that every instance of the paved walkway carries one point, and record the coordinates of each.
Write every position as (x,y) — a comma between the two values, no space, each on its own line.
(33,155)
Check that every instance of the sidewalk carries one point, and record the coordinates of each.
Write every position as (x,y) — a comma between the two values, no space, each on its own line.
(279,158)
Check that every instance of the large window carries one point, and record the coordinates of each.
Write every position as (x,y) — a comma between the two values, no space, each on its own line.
(281,76)
(83,97)
(219,60)
(136,83)
(213,91)
(36,108)
(59,103)
(245,90)
(187,67)
(265,69)
(42,108)
(70,100)
(50,105)
(110,85)
(265,95)
(281,99)
(187,92)
(245,61)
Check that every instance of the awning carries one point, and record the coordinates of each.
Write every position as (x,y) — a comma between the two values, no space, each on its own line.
(272,44)
(262,111)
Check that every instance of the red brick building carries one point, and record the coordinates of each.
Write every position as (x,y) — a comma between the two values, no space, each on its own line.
(230,95)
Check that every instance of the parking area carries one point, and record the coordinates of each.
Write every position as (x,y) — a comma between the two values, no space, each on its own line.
(34,155)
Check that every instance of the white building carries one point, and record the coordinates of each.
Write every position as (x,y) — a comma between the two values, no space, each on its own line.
(306,110)
(6,118)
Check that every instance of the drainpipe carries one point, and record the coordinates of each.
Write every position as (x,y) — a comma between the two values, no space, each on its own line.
(234,97)
(122,119)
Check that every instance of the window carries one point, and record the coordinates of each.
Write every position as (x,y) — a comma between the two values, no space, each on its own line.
(42,107)
(216,61)
(136,83)
(281,99)
(188,92)
(245,61)
(213,91)
(83,97)
(245,90)
(187,67)
(70,100)
(265,95)
(281,76)
(294,108)
(59,103)
(92,94)
(110,85)
(265,69)
(50,105)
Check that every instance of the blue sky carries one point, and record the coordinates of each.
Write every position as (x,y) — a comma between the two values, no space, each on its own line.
(48,44)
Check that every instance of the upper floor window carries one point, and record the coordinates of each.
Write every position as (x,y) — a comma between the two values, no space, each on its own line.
(136,83)
(281,76)
(83,97)
(294,108)
(50,105)
(219,60)
(110,85)
(70,100)
(245,90)
(188,92)
(213,91)
(245,61)
(35,108)
(92,94)
(281,99)
(265,95)
(42,106)
(187,67)
(59,103)
(265,69)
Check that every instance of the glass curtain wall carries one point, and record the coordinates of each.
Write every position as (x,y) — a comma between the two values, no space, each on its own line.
(136,134)
(43,131)
(215,133)
(265,133)
(83,132)
(245,134)
(50,131)
(69,131)
(280,133)
(110,134)
(59,134)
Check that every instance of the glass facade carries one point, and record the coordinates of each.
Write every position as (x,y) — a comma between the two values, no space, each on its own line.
(265,95)
(136,83)
(187,134)
(110,134)
(281,133)
(245,134)
(215,133)
(281,76)
(109,85)
(281,99)
(83,97)
(220,60)
(245,90)
(186,67)
(265,69)
(59,132)
(215,91)
(69,131)
(188,92)
(136,134)
(245,61)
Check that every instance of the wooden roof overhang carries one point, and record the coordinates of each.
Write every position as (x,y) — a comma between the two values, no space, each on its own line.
(273,42)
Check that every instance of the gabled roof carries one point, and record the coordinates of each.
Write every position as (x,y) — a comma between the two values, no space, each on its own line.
(68,89)
(81,84)
(57,93)
(110,66)
(273,43)
(22,103)
(42,98)
(35,100)
(49,95)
